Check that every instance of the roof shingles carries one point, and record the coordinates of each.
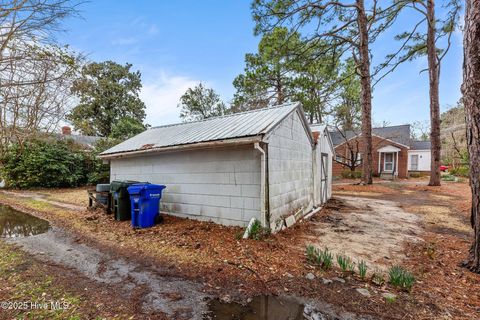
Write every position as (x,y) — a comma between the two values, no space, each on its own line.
(399,134)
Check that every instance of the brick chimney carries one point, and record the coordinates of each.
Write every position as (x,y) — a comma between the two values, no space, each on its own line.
(66,130)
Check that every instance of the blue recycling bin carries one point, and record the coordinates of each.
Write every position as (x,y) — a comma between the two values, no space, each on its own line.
(145,203)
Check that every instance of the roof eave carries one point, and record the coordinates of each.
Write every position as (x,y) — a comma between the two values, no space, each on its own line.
(184,147)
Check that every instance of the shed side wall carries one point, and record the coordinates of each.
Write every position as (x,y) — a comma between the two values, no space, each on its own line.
(290,169)
(221,185)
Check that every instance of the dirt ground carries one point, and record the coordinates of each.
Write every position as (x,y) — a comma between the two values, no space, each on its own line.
(446,235)
(367,229)
(430,243)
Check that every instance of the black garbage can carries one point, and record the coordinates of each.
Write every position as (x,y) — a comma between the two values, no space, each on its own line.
(121,199)
(102,193)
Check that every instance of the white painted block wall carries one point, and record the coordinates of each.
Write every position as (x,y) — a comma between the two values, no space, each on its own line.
(424,159)
(290,169)
(221,185)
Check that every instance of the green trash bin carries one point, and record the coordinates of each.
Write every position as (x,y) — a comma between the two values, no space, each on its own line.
(121,206)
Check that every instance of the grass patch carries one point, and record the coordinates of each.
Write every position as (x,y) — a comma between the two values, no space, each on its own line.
(40,290)
(38,205)
(74,196)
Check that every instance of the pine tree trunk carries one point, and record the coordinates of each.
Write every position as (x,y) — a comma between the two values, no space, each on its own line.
(434,74)
(366,92)
(471,100)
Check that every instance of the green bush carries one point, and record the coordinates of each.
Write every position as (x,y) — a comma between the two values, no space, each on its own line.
(400,277)
(45,164)
(463,171)
(348,174)
(100,172)
(51,163)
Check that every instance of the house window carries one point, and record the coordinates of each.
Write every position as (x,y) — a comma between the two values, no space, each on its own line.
(359,158)
(388,162)
(414,162)
(338,158)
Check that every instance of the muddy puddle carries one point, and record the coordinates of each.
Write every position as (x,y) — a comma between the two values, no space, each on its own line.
(15,224)
(265,308)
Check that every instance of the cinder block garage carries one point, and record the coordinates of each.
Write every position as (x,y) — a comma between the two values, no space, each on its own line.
(262,164)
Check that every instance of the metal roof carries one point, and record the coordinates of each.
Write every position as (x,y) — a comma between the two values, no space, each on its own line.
(399,134)
(237,125)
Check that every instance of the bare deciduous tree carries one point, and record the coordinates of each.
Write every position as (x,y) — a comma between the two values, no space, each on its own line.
(35,74)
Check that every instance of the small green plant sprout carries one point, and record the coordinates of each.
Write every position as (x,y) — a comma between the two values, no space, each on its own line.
(311,254)
(390,298)
(327,259)
(378,278)
(362,269)
(351,267)
(399,277)
(345,263)
(257,231)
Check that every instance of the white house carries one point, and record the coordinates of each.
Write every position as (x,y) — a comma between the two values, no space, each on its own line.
(263,164)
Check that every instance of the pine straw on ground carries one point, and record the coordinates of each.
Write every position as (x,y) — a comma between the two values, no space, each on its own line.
(216,255)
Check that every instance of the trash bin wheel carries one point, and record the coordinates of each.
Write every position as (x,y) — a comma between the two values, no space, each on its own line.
(159,219)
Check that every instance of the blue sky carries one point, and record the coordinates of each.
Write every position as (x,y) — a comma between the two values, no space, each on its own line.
(176,44)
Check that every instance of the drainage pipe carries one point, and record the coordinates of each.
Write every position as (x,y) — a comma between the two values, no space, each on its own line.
(264,192)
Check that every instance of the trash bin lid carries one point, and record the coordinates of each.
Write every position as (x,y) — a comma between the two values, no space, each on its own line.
(135,189)
(139,187)
(154,186)
(115,186)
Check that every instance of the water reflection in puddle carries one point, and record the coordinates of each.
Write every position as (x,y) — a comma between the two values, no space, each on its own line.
(264,308)
(15,224)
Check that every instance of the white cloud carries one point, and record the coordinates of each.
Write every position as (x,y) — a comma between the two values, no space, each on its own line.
(124,41)
(153,29)
(161,95)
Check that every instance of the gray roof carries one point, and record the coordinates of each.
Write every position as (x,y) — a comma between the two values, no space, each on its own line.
(237,125)
(421,145)
(88,141)
(399,134)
